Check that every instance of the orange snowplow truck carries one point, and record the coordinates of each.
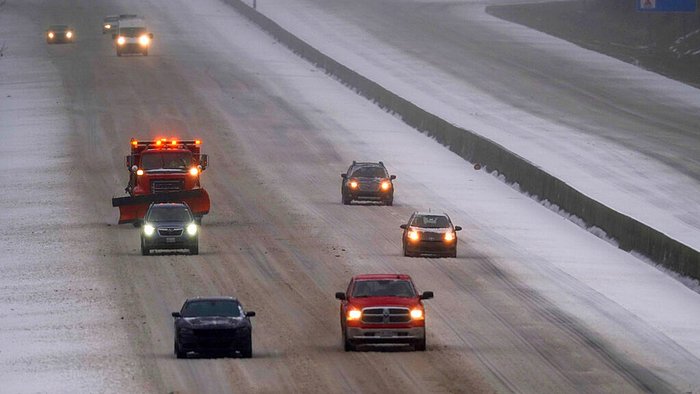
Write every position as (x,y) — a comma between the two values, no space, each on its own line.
(163,170)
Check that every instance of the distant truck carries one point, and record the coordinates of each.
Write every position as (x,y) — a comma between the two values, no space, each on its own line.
(163,170)
(132,36)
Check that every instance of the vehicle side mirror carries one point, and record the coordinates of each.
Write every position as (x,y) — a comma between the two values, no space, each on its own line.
(343,175)
(138,223)
(204,161)
(458,228)
(176,314)
(404,226)
(114,36)
(249,314)
(340,296)
(150,35)
(392,177)
(134,168)
(427,295)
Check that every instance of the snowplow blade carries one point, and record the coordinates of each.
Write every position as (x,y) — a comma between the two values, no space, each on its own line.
(133,208)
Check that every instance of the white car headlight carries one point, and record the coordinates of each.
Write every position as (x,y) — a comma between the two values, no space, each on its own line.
(148,230)
(192,229)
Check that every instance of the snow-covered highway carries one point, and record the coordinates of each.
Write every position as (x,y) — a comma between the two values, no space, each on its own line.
(533,303)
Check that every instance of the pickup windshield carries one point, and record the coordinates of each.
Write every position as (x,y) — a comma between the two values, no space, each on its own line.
(227,308)
(383,288)
(166,160)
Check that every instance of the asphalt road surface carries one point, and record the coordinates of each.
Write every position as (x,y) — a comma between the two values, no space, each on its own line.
(277,238)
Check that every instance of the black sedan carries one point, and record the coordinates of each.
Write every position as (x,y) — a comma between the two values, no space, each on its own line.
(214,325)
(169,226)
(430,234)
(59,34)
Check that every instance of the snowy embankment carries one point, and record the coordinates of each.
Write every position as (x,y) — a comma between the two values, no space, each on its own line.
(660,234)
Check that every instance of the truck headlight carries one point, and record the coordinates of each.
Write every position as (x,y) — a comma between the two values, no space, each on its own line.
(143,40)
(69,34)
(386,185)
(121,40)
(50,34)
(148,229)
(354,314)
(194,171)
(108,26)
(416,314)
(192,229)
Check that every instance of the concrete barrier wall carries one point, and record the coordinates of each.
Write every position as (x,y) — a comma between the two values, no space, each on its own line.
(631,234)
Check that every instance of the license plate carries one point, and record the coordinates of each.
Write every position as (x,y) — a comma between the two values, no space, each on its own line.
(170,240)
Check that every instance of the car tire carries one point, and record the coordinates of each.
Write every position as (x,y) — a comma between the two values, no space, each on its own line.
(346,200)
(194,249)
(453,254)
(178,353)
(144,250)
(420,345)
(406,253)
(247,349)
(389,202)
(347,345)
(119,53)
(144,52)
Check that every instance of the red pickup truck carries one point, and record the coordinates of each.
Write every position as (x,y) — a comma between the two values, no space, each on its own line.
(382,309)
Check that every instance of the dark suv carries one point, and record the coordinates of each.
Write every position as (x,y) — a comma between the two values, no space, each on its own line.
(367,181)
(169,226)
(213,325)
(430,233)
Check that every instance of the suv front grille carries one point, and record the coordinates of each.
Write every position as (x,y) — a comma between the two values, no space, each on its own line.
(161,186)
(386,315)
(170,232)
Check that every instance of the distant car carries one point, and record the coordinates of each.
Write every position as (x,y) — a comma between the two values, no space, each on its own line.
(430,233)
(213,325)
(367,181)
(382,309)
(110,23)
(132,36)
(169,226)
(59,34)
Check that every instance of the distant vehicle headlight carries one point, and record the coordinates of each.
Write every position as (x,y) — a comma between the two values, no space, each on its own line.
(50,34)
(139,172)
(69,34)
(108,26)
(413,235)
(121,40)
(194,171)
(386,185)
(148,229)
(144,40)
(192,229)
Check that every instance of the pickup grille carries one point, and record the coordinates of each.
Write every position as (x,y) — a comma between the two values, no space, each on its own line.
(161,186)
(386,315)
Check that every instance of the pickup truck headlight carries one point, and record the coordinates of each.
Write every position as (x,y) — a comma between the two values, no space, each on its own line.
(354,314)
(69,34)
(121,40)
(143,40)
(192,229)
(148,230)
(417,314)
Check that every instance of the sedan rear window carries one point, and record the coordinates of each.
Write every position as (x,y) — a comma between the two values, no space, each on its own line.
(383,288)
(226,308)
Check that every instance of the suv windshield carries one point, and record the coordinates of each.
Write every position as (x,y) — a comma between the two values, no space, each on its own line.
(383,288)
(369,172)
(166,160)
(431,221)
(132,31)
(176,213)
(228,308)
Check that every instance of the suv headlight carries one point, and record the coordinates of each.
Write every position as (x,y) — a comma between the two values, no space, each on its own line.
(192,229)
(121,40)
(143,40)
(386,185)
(449,236)
(413,235)
(148,229)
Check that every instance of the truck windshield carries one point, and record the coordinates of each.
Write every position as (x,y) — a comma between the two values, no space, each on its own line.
(383,288)
(166,160)
(132,31)
(176,213)
(228,308)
